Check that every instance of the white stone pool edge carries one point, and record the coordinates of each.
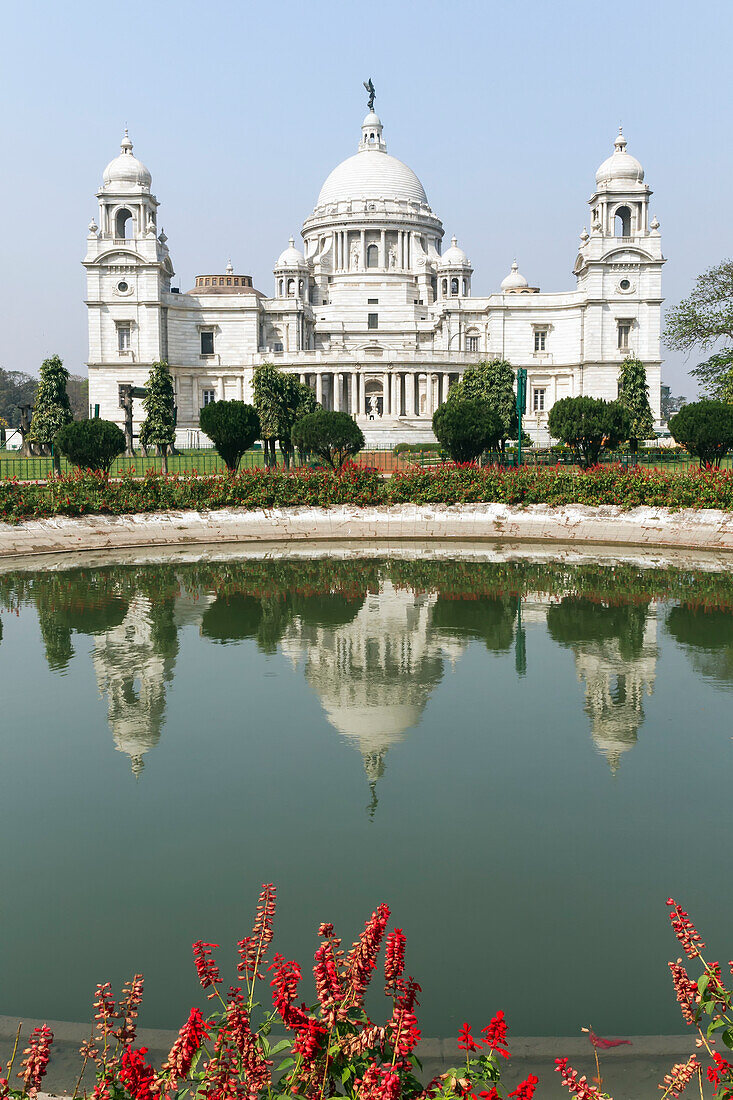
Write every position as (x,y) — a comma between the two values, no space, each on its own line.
(605,525)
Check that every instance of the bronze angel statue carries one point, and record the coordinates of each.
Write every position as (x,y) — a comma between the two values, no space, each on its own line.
(370,90)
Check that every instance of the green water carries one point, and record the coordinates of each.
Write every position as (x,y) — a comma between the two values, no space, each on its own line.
(524,760)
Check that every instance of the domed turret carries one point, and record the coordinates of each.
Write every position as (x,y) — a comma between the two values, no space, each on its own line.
(454,256)
(291,257)
(514,280)
(455,271)
(126,171)
(620,165)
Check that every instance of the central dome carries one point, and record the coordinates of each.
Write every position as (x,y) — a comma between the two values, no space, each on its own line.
(372,173)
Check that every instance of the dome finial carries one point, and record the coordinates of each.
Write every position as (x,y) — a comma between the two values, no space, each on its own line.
(126,144)
(230,269)
(620,142)
(371,94)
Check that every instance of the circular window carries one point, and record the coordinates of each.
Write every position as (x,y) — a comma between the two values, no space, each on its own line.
(123,287)
(624,284)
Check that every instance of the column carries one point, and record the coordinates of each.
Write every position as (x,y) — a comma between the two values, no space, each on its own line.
(319,387)
(446,386)
(411,393)
(385,394)
(363,250)
(337,378)
(361,407)
(396,395)
(383,249)
(302,379)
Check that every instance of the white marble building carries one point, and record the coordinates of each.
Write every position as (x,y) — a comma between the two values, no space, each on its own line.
(374,313)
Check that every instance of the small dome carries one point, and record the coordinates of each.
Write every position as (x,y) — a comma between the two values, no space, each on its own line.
(620,165)
(372,119)
(126,169)
(454,256)
(291,257)
(514,281)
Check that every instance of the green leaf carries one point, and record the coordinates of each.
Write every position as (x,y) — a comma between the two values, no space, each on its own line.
(702,982)
(727,1037)
(286,1064)
(284,1044)
(715,1026)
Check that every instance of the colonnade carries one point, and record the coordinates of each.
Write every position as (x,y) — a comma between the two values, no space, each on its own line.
(414,394)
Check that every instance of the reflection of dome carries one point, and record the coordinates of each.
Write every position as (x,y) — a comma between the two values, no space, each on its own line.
(372,173)
(620,165)
(126,170)
(374,675)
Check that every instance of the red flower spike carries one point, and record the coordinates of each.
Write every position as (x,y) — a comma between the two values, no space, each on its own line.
(206,967)
(252,949)
(525,1091)
(106,1012)
(466,1040)
(136,1075)
(190,1037)
(494,1034)
(685,930)
(132,995)
(362,958)
(394,960)
(687,991)
(679,1077)
(36,1057)
(576,1086)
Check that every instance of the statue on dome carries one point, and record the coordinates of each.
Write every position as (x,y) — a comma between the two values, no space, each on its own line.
(371,93)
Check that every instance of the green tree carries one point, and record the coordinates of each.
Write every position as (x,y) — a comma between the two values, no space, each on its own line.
(705,429)
(16,388)
(52,408)
(588,424)
(158,429)
(633,395)
(467,427)
(494,382)
(90,444)
(331,436)
(78,390)
(280,399)
(669,404)
(702,320)
(232,426)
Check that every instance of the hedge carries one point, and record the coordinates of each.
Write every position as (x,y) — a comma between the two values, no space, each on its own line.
(88,494)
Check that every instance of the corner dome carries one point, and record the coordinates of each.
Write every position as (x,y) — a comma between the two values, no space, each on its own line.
(454,256)
(620,165)
(126,169)
(514,281)
(291,257)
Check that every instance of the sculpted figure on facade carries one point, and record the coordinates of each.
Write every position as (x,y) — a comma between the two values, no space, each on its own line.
(355,257)
(392,257)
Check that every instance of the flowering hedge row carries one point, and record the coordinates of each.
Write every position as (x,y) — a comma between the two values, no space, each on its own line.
(87,493)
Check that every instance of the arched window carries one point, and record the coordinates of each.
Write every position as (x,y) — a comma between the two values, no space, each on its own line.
(291,287)
(445,287)
(300,287)
(372,256)
(123,224)
(622,222)
(280,291)
(464,288)
(454,288)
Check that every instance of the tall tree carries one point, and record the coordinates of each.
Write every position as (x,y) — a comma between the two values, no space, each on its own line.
(78,390)
(16,388)
(703,320)
(280,399)
(493,382)
(159,426)
(633,395)
(52,407)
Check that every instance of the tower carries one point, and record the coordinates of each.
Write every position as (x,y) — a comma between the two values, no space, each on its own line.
(128,273)
(619,267)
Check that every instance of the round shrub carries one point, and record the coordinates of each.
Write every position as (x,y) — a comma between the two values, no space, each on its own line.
(232,426)
(90,444)
(330,436)
(705,429)
(467,427)
(588,424)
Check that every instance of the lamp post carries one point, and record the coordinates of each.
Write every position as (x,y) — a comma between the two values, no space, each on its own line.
(521,398)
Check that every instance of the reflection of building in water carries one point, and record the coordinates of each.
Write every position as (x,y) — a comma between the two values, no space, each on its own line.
(134,662)
(616,678)
(374,673)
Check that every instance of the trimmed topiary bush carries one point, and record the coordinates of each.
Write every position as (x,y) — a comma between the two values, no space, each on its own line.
(331,436)
(90,444)
(232,426)
(705,429)
(588,424)
(467,427)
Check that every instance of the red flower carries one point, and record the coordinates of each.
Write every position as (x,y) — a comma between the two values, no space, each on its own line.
(104,1004)
(680,1076)
(576,1086)
(132,996)
(206,967)
(252,948)
(362,958)
(466,1040)
(190,1037)
(37,1054)
(285,988)
(328,983)
(495,1034)
(525,1091)
(136,1075)
(394,959)
(721,1067)
(687,991)
(685,930)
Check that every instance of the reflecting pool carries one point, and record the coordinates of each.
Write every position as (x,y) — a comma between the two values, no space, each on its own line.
(524,758)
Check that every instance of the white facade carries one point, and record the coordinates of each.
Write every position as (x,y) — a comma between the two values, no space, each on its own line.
(374,314)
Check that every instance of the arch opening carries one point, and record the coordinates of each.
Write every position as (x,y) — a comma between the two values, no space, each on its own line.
(124,225)
(622,222)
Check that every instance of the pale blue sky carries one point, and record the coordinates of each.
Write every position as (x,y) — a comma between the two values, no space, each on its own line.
(240,110)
